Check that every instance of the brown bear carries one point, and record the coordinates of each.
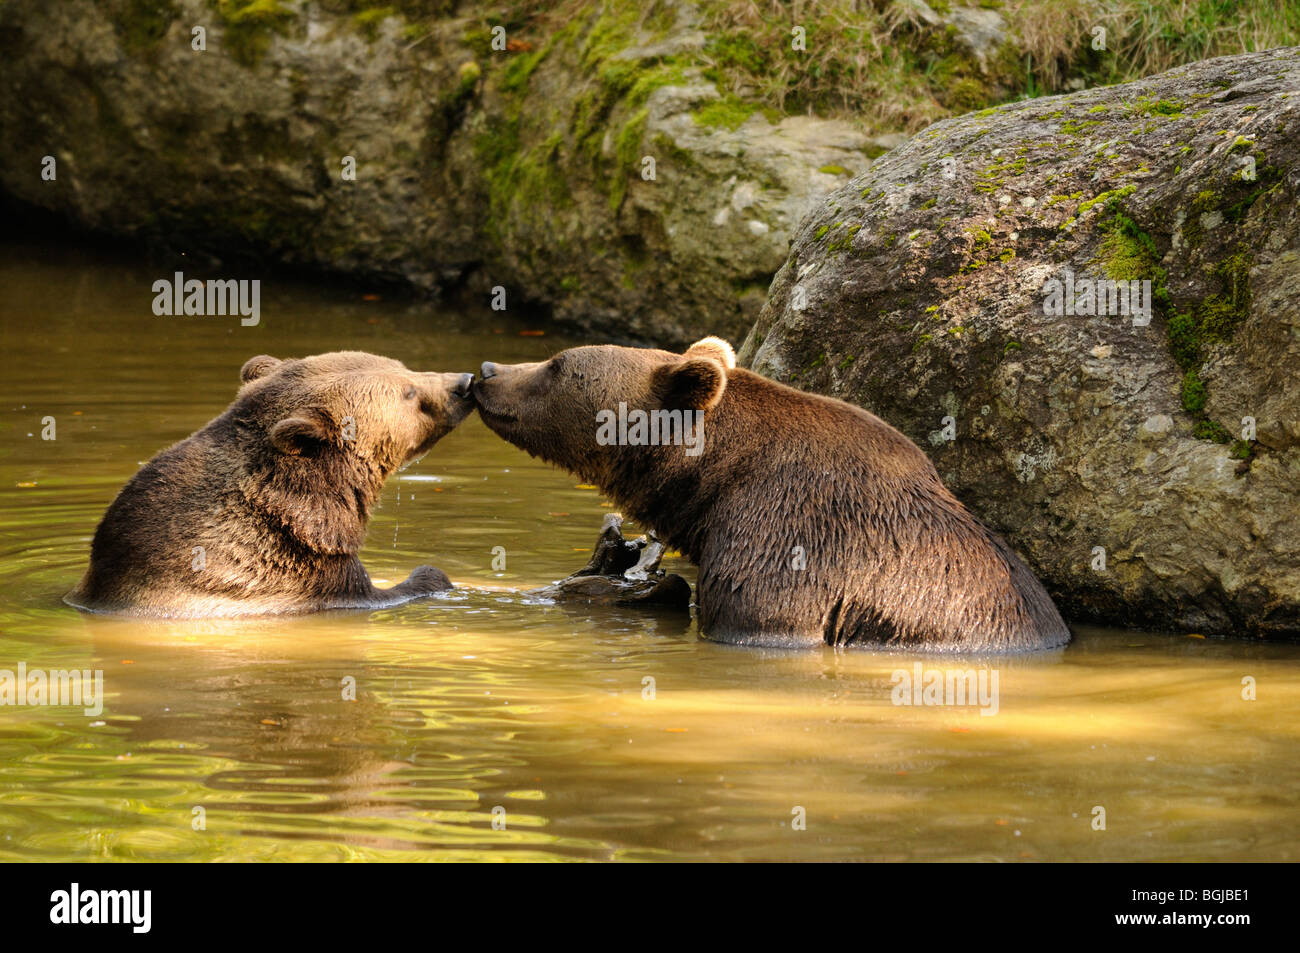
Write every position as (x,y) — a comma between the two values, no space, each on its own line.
(265,508)
(810,520)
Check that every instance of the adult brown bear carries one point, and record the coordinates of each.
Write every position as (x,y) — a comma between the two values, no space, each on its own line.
(810,519)
(265,508)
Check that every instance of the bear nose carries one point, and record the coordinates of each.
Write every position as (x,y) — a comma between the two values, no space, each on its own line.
(488,370)
(462,385)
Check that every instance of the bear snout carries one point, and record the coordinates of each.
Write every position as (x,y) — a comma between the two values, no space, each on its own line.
(462,385)
(489,398)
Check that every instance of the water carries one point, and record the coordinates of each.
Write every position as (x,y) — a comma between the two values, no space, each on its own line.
(484,701)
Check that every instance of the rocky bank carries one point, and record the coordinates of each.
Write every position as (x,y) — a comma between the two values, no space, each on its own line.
(584,166)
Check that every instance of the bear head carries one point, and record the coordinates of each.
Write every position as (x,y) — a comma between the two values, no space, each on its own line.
(319,435)
(561,410)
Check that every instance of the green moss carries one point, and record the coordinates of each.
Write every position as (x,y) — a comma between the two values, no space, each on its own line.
(1011,346)
(834,170)
(1147,106)
(367,21)
(479,40)
(144,23)
(965,93)
(521,182)
(729,112)
(451,107)
(665,146)
(1193,232)
(1211,430)
(1221,313)
(845,240)
(614,100)
(1129,253)
(627,149)
(1193,393)
(467,77)
(520,69)
(1184,339)
(250,25)
(1105,197)
(821,232)
(669,72)
(1074,127)
(1267,178)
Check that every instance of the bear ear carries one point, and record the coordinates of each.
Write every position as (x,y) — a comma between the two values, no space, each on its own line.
(259,366)
(696,383)
(715,348)
(298,435)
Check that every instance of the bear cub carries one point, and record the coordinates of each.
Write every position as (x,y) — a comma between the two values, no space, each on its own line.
(264,509)
(811,520)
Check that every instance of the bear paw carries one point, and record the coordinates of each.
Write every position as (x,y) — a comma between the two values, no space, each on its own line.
(425,580)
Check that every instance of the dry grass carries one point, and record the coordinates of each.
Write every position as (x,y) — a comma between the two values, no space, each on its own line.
(1143,37)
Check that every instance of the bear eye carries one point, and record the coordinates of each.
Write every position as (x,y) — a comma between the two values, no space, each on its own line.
(409,394)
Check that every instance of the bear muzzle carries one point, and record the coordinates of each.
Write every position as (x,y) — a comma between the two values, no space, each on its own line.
(445,400)
(487,391)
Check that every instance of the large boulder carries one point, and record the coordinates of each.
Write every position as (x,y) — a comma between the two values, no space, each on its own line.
(1149,472)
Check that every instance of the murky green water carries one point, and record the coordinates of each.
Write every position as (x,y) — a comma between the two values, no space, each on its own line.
(484,705)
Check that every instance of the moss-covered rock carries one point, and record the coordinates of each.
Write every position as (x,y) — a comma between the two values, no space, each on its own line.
(490,147)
